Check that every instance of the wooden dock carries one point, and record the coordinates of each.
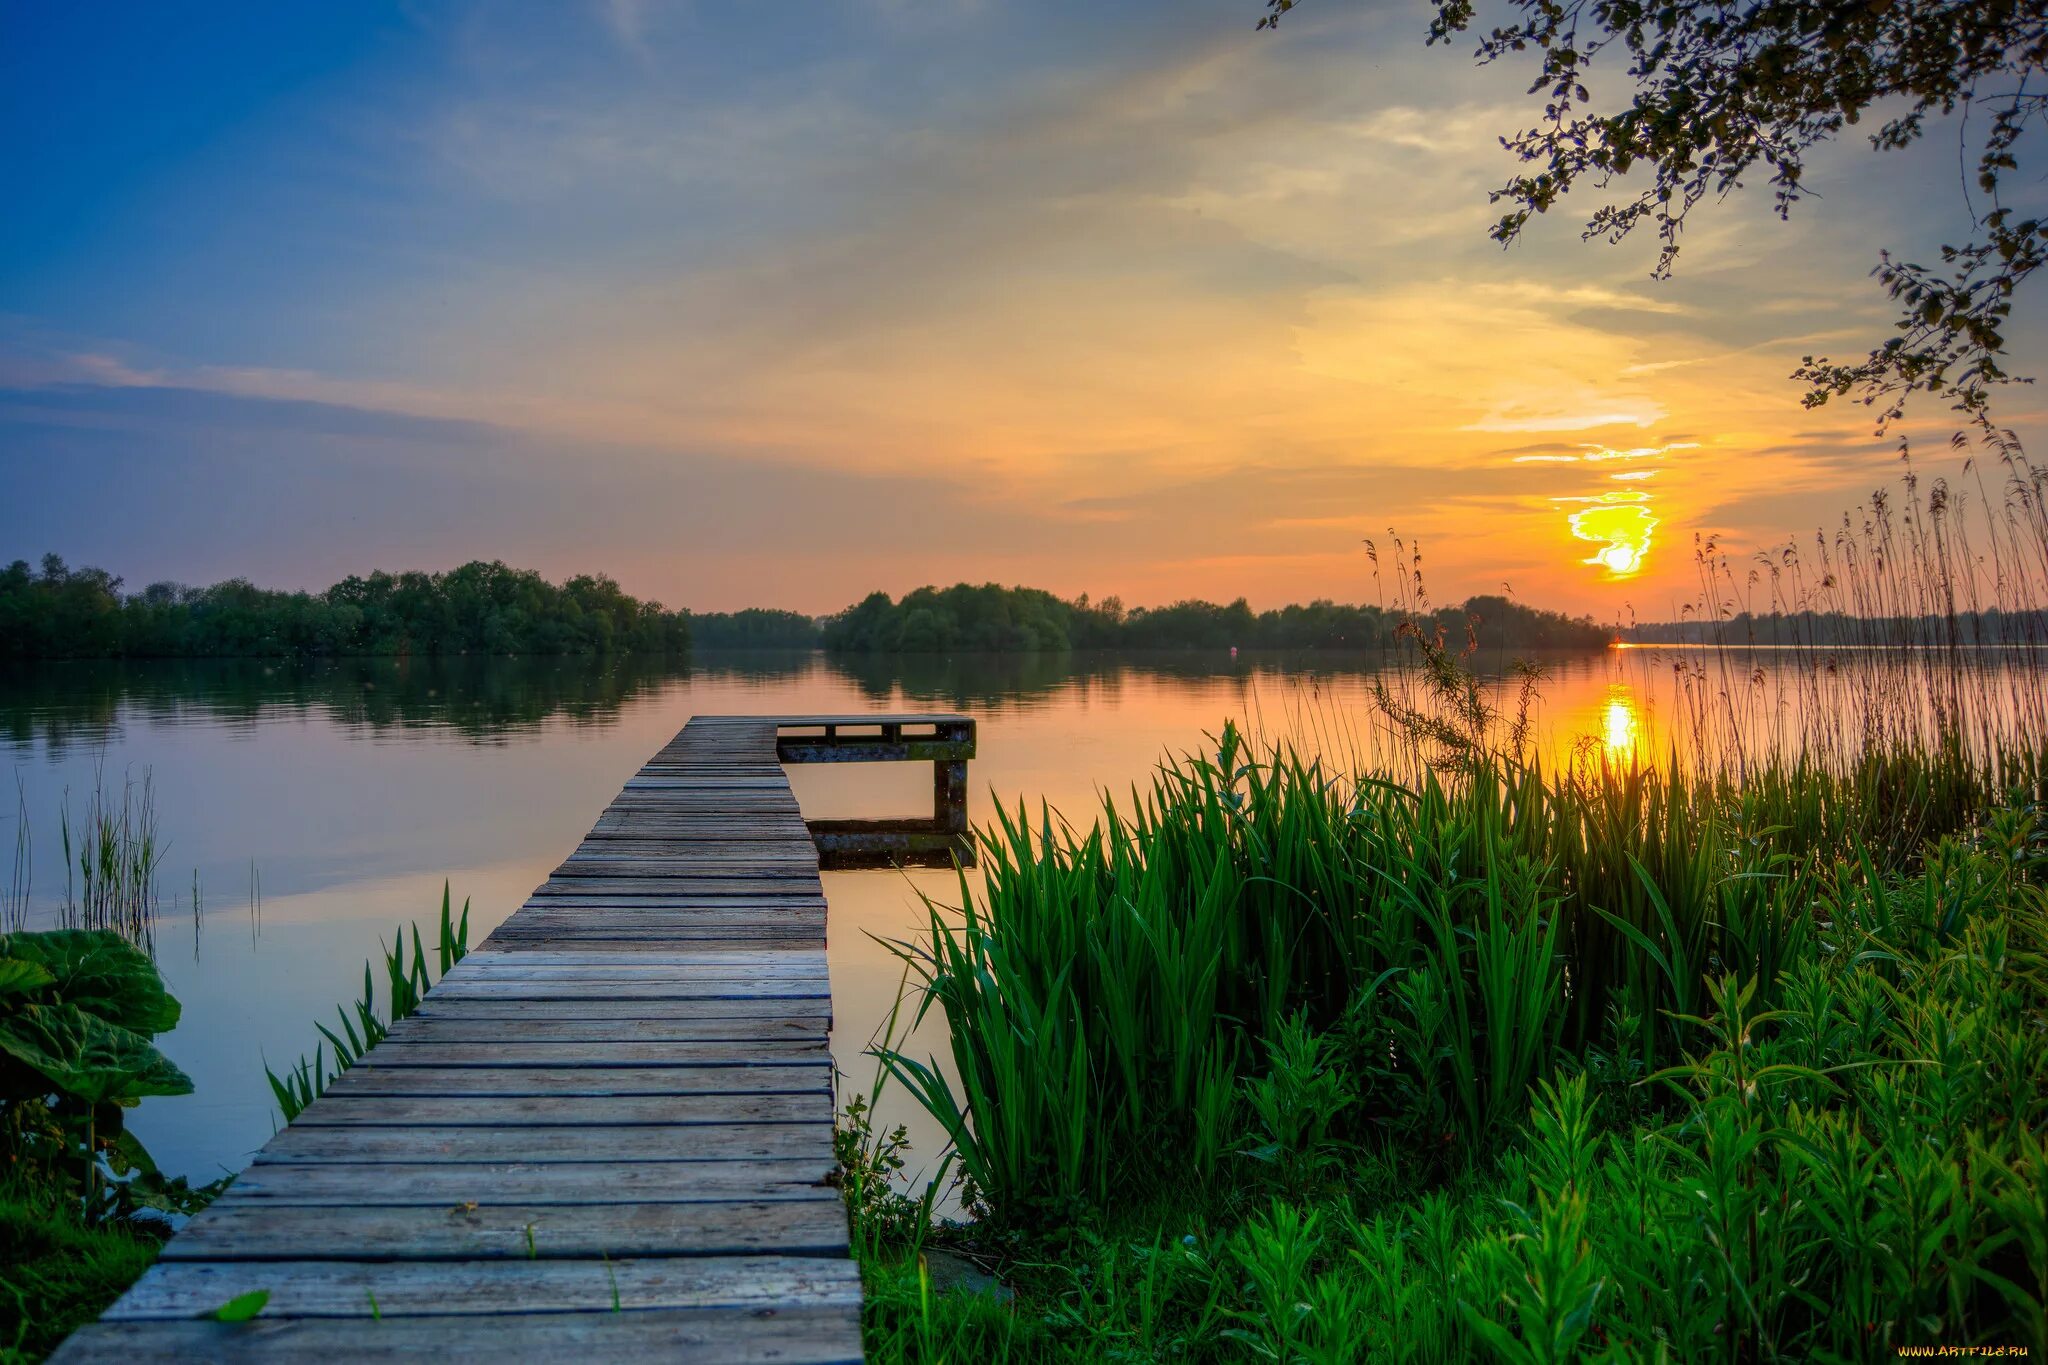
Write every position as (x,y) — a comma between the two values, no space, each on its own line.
(607,1133)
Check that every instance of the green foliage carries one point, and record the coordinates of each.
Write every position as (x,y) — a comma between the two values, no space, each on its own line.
(56,1272)
(754,628)
(75,1052)
(1629,1065)
(113,852)
(1296,1104)
(242,1307)
(98,972)
(991,619)
(406,981)
(478,608)
(66,1050)
(1713,92)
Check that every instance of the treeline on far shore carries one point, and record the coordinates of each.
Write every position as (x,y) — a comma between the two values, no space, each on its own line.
(492,609)
(479,608)
(993,618)
(1836,629)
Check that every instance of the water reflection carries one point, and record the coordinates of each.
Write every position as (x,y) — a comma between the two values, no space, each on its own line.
(65,704)
(74,702)
(1619,724)
(347,791)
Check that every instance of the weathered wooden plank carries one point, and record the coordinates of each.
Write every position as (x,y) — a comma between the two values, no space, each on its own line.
(623,991)
(772,908)
(664,853)
(707,885)
(664,981)
(589,1142)
(593,1078)
(236,1231)
(682,957)
(806,967)
(355,1109)
(706,1007)
(728,1336)
(591,1182)
(644,911)
(642,1042)
(628,941)
(341,1289)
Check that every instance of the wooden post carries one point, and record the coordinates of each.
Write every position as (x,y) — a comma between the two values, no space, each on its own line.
(949,795)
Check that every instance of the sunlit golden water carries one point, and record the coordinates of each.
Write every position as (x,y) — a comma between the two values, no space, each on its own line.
(319,809)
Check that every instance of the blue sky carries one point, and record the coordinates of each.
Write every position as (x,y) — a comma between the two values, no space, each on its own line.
(778,303)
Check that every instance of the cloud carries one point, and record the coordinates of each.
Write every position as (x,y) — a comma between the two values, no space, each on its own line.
(1131,301)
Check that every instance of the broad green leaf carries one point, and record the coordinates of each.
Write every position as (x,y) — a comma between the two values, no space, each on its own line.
(18,976)
(241,1307)
(84,1056)
(100,972)
(127,1156)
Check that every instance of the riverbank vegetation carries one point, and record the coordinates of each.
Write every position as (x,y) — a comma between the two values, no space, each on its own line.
(83,1208)
(1440,1044)
(361,1027)
(1491,1063)
(992,618)
(480,608)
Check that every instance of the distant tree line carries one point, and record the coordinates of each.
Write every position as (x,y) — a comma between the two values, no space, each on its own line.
(754,628)
(1818,629)
(491,609)
(992,618)
(479,608)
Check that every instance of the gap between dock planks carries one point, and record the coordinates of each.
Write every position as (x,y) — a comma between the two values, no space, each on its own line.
(605,1135)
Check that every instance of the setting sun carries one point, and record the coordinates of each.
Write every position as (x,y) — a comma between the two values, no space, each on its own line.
(1620,522)
(1621,560)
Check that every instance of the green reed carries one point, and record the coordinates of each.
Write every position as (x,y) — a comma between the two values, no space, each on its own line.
(1502,1067)
(20,879)
(1431,1049)
(114,852)
(1109,990)
(407,979)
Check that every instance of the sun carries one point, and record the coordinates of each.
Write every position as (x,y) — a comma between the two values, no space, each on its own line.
(1621,560)
(1619,523)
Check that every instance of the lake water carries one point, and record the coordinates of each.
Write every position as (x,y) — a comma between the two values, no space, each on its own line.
(318,807)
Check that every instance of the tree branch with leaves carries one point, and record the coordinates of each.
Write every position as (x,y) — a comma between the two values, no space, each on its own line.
(1723,91)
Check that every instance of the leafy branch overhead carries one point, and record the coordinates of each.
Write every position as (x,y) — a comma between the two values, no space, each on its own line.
(1724,90)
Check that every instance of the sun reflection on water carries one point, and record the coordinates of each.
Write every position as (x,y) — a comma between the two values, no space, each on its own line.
(1620,723)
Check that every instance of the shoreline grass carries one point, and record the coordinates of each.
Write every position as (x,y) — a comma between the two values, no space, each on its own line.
(1443,1054)
(1277,1066)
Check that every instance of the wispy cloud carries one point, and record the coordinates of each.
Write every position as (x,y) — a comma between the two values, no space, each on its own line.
(1129,300)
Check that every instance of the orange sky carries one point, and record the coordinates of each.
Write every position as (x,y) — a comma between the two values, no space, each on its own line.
(775,309)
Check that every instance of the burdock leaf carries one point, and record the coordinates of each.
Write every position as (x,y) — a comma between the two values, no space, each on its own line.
(100,972)
(18,976)
(84,1056)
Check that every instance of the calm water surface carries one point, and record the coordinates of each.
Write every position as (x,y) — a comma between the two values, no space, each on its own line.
(316,808)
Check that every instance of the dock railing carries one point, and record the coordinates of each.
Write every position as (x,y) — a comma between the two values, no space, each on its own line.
(945,741)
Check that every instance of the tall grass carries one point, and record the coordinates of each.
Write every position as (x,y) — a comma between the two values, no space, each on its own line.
(1921,618)
(1433,1049)
(114,851)
(1108,989)
(21,872)
(360,1027)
